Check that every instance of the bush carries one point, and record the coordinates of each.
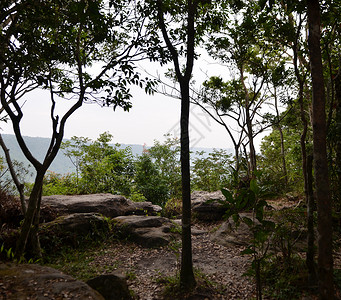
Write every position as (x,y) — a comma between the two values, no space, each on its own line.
(56,184)
(173,208)
(149,181)
(10,210)
(211,172)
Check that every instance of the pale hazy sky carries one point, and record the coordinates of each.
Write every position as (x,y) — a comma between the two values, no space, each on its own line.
(150,118)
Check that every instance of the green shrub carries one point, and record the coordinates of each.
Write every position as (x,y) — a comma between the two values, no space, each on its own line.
(149,181)
(172,208)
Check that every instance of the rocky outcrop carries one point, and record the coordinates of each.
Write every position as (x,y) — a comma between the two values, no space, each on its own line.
(111,286)
(147,231)
(80,224)
(106,204)
(38,282)
(72,229)
(206,206)
(229,235)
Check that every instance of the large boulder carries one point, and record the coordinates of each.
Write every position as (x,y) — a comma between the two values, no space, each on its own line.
(71,229)
(230,235)
(111,286)
(81,224)
(106,204)
(147,231)
(29,281)
(206,205)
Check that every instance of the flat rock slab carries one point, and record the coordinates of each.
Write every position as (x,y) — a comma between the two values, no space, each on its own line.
(142,221)
(147,231)
(29,281)
(106,204)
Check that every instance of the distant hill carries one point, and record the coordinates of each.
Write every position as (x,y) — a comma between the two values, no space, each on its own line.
(61,164)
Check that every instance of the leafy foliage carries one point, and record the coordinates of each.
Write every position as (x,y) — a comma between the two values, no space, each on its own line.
(211,172)
(149,181)
(166,157)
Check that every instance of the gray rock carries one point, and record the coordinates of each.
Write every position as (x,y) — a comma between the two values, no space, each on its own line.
(206,207)
(147,231)
(106,204)
(81,224)
(229,235)
(111,286)
(38,282)
(141,221)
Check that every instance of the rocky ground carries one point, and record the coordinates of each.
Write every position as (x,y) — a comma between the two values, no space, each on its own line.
(217,259)
(146,271)
(222,266)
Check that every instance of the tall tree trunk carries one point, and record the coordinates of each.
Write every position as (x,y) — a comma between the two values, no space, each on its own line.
(324,210)
(187,279)
(338,135)
(310,262)
(306,168)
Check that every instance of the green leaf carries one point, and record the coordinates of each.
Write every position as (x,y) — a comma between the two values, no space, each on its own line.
(269,225)
(248,251)
(248,221)
(228,195)
(259,214)
(254,186)
(236,218)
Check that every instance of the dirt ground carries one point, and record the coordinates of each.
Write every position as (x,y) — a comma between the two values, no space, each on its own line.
(222,266)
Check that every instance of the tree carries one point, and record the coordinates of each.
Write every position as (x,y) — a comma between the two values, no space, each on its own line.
(166,157)
(53,45)
(187,280)
(181,25)
(325,256)
(74,150)
(225,100)
(105,168)
(211,172)
(241,46)
(149,180)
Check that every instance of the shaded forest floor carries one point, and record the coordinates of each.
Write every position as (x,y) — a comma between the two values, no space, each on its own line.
(220,269)
(151,273)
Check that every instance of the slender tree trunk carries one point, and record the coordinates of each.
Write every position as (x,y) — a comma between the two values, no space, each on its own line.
(20,186)
(248,121)
(324,210)
(31,220)
(279,127)
(284,163)
(253,165)
(236,149)
(310,261)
